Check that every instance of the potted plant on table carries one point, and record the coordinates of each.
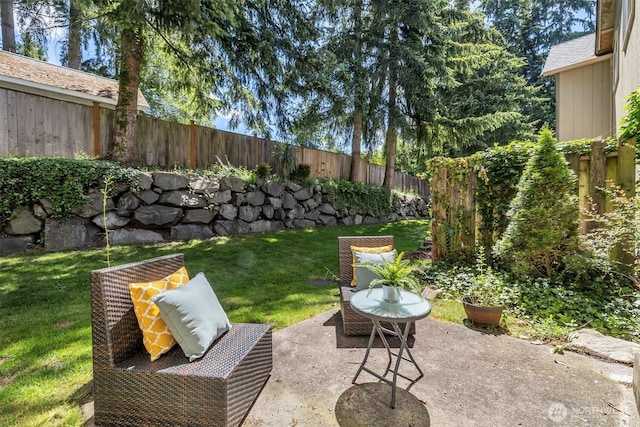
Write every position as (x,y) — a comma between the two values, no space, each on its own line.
(484,304)
(393,277)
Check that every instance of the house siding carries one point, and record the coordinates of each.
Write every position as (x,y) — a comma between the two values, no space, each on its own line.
(628,61)
(584,102)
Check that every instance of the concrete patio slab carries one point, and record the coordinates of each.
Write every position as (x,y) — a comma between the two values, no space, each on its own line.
(471,379)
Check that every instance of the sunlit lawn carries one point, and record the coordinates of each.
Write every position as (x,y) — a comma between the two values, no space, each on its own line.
(45,319)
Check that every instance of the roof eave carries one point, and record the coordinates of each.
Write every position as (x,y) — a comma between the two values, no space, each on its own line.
(60,93)
(590,61)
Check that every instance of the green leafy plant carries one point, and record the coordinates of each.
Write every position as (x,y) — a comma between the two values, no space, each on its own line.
(301,172)
(64,182)
(359,197)
(399,273)
(263,170)
(106,190)
(487,287)
(285,154)
(630,124)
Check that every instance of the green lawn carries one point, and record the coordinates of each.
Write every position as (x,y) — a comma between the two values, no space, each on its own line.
(45,319)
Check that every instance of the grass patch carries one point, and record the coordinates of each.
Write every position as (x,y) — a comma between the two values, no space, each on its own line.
(45,321)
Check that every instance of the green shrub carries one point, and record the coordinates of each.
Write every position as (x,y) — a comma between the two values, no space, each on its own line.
(543,217)
(362,198)
(64,182)
(630,124)
(263,170)
(499,170)
(301,172)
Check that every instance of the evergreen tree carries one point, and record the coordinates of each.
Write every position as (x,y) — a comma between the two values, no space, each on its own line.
(531,28)
(543,216)
(241,54)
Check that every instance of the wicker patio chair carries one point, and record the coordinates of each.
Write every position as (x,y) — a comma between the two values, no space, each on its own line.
(352,322)
(129,390)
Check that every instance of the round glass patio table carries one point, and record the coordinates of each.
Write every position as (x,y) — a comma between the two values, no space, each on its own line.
(409,308)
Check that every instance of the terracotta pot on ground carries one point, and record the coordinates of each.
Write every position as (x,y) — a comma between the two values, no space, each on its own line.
(480,315)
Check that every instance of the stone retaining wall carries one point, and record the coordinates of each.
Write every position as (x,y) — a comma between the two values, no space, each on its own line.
(171,206)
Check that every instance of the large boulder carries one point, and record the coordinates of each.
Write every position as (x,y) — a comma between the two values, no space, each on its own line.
(288,201)
(9,245)
(46,205)
(74,233)
(228,212)
(249,213)
(263,226)
(268,211)
(113,221)
(201,184)
(310,204)
(127,203)
(275,202)
(190,232)
(328,220)
(95,205)
(123,236)
(149,197)
(273,188)
(181,198)
(232,183)
(255,198)
(327,209)
(168,181)
(303,194)
(225,227)
(157,215)
(198,216)
(223,196)
(145,180)
(22,222)
(312,215)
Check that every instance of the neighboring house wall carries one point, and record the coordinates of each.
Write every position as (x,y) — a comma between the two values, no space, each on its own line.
(626,55)
(583,97)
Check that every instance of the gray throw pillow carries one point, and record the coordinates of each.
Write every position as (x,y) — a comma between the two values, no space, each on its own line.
(364,276)
(194,316)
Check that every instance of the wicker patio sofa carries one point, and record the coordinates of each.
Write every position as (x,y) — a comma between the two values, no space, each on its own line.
(129,390)
(352,322)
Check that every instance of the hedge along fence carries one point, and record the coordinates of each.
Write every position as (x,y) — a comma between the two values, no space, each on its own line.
(471,196)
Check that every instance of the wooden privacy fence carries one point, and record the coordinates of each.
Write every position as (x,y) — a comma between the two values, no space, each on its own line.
(455,218)
(32,125)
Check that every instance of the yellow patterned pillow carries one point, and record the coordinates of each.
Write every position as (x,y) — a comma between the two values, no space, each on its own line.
(366,250)
(156,336)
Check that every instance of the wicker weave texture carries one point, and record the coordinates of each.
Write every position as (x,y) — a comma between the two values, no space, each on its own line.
(352,322)
(130,390)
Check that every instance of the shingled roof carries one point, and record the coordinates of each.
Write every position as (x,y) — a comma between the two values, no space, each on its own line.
(41,78)
(568,55)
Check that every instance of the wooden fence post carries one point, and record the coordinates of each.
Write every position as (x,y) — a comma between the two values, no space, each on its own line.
(96,130)
(626,179)
(192,148)
(255,150)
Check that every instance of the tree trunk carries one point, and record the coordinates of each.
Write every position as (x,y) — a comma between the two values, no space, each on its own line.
(356,140)
(124,135)
(392,135)
(8,28)
(74,54)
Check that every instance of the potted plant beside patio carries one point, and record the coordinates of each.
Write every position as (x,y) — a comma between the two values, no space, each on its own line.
(394,276)
(484,304)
